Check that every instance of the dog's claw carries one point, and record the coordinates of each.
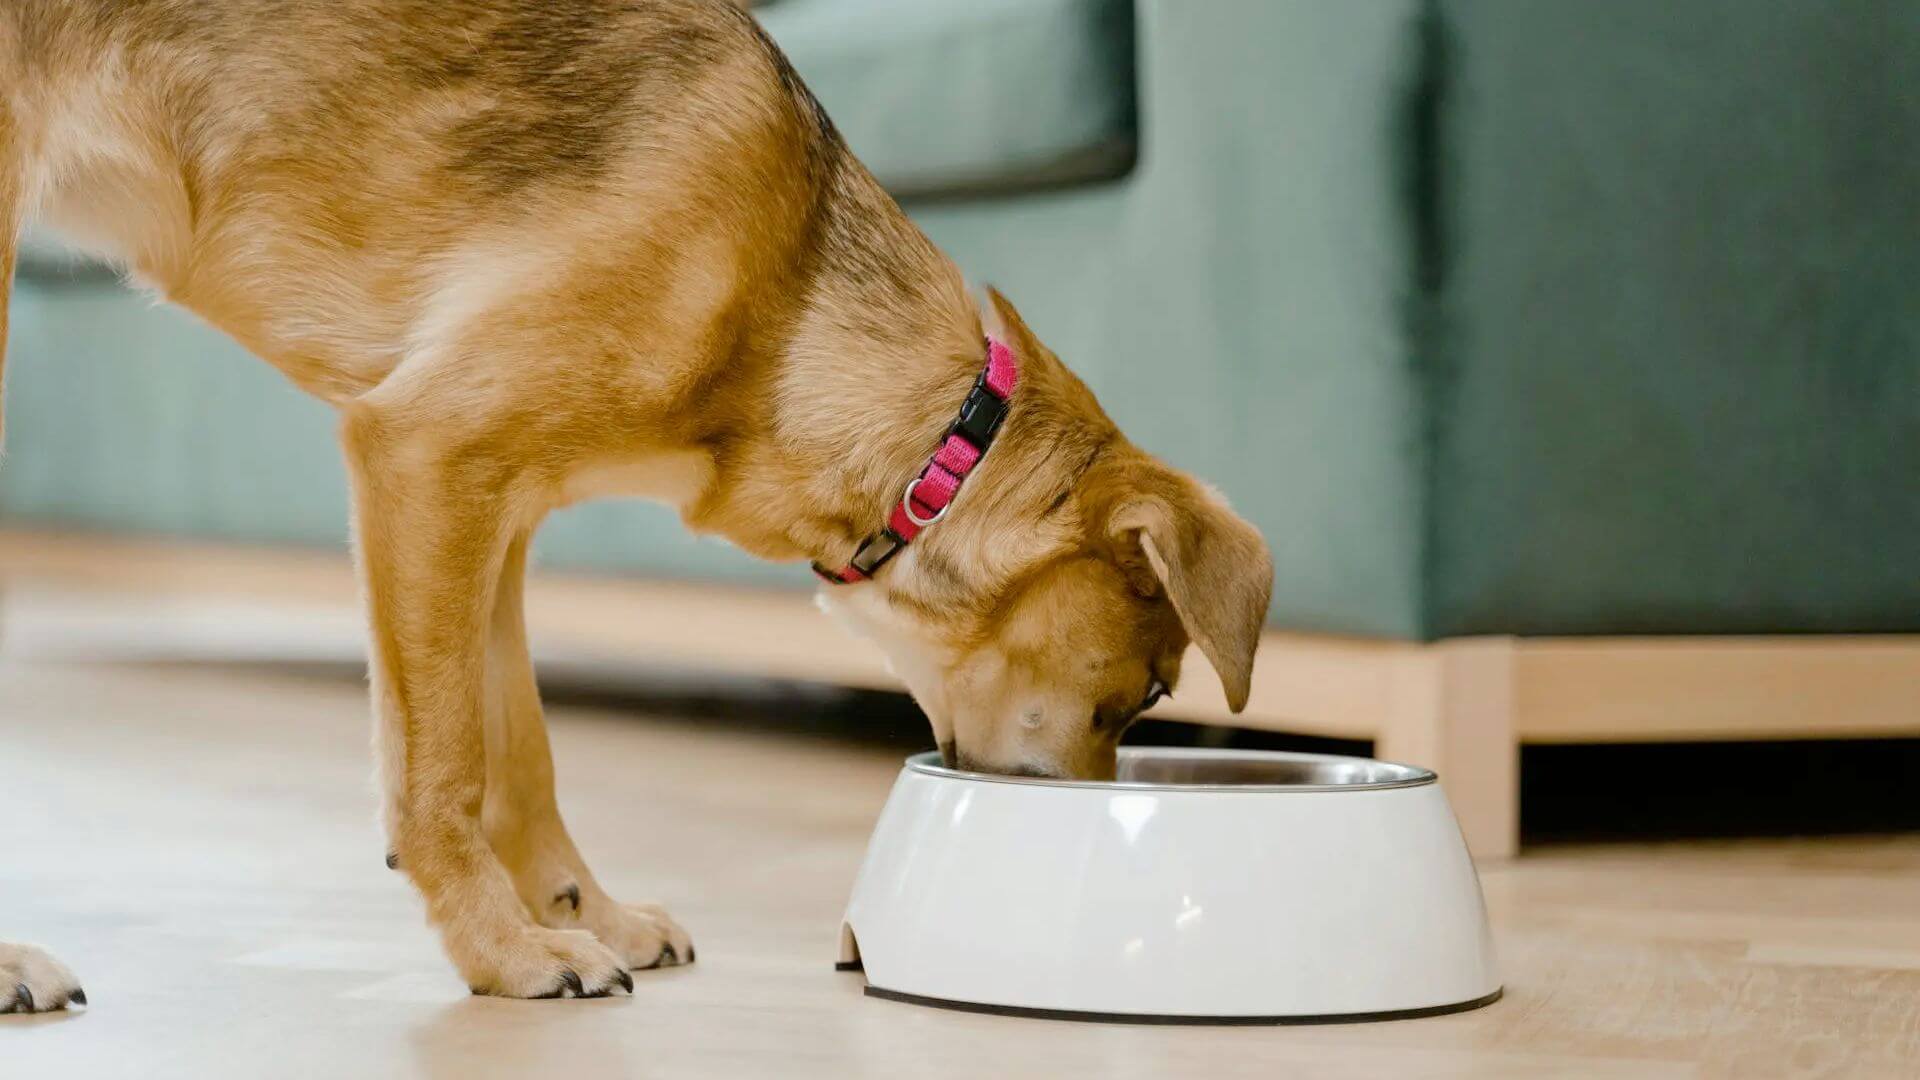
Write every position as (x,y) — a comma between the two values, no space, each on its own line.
(689,952)
(22,998)
(571,894)
(572,979)
(393,860)
(666,957)
(626,980)
(78,997)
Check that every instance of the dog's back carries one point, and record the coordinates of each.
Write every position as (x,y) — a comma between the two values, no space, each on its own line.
(342,185)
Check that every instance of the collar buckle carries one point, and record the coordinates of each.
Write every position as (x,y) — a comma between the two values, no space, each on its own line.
(981,415)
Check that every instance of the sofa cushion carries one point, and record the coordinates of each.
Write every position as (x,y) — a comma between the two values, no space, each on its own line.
(939,96)
(1679,388)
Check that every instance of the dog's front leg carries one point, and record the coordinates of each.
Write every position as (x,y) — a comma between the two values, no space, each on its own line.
(521,816)
(437,502)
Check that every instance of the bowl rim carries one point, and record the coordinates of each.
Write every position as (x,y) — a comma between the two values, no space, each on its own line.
(930,763)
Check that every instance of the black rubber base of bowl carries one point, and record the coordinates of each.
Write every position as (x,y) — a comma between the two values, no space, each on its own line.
(1193,1021)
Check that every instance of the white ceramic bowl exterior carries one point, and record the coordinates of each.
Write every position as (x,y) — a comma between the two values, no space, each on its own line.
(1286,902)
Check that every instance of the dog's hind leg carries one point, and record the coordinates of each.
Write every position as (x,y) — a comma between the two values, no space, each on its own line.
(435,513)
(31,981)
(521,816)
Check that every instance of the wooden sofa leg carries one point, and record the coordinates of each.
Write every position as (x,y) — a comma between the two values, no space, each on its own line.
(1452,711)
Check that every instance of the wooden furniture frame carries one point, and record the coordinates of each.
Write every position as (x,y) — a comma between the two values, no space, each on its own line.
(1462,707)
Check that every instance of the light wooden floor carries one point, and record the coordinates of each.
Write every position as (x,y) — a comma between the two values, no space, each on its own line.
(198,843)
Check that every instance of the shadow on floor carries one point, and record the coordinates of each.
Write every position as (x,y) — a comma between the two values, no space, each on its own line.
(1639,792)
(1568,793)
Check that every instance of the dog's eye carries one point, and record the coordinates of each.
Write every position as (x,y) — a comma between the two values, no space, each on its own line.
(1155,691)
(1119,720)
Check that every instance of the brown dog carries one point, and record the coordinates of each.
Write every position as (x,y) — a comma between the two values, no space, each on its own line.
(537,251)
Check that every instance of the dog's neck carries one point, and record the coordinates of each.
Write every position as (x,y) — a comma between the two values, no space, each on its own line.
(855,378)
(869,383)
(865,377)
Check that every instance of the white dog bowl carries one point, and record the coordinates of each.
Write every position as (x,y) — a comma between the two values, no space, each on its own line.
(1202,886)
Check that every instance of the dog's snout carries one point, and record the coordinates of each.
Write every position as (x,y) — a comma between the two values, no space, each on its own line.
(959,759)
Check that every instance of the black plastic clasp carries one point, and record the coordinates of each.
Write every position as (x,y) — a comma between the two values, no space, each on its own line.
(980,415)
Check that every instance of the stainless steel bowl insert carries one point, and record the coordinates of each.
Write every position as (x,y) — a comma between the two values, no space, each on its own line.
(1224,771)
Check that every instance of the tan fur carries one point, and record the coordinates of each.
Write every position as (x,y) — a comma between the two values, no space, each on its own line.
(540,251)
(32,981)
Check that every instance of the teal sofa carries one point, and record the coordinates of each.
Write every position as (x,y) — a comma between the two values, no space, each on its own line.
(1521,317)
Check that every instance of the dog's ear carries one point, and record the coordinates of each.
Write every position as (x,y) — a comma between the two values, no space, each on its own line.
(1212,563)
(999,319)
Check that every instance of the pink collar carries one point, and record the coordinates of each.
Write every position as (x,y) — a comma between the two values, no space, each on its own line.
(929,494)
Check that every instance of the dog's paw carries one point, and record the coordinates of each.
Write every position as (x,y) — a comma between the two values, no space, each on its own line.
(644,935)
(544,963)
(32,981)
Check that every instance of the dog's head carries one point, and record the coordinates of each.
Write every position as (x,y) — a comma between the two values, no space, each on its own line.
(1036,625)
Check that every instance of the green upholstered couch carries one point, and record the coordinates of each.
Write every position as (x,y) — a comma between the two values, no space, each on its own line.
(1531,316)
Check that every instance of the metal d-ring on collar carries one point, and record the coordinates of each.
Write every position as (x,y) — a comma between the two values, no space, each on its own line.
(906,504)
